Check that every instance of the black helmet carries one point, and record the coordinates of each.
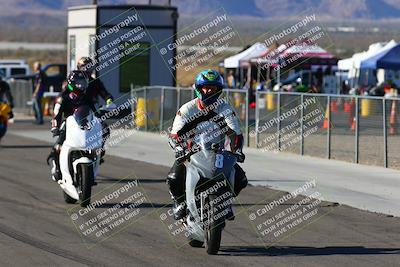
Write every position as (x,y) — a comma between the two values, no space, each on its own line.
(85,64)
(77,82)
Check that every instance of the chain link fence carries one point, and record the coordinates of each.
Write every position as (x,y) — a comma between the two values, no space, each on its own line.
(21,91)
(160,104)
(358,129)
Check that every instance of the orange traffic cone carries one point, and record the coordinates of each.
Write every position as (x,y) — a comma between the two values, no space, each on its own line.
(46,111)
(334,107)
(393,119)
(352,119)
(326,123)
(353,124)
(346,107)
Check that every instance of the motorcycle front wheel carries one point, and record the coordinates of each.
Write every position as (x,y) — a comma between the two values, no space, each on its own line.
(214,227)
(195,243)
(69,199)
(86,180)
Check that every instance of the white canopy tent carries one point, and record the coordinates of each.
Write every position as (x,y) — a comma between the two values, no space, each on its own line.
(307,51)
(345,64)
(353,64)
(253,51)
(354,61)
(383,50)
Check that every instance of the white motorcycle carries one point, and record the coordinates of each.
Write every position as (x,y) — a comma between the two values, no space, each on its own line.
(209,175)
(80,155)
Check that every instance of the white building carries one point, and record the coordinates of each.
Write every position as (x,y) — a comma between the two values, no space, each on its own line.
(124,42)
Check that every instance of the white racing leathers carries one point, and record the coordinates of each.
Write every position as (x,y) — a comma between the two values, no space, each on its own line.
(192,115)
(218,118)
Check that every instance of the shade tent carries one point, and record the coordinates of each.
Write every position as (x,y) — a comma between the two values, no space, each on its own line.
(245,61)
(370,56)
(284,52)
(307,51)
(348,63)
(253,51)
(269,56)
(386,59)
(374,50)
(345,64)
(353,63)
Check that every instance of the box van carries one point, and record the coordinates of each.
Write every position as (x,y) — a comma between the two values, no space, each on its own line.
(12,67)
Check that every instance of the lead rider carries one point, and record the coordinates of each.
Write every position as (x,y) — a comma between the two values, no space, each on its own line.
(206,107)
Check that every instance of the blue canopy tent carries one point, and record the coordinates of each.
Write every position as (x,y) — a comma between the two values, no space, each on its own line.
(387,59)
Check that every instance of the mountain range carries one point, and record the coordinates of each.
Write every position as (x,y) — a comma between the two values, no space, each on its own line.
(53,12)
(45,20)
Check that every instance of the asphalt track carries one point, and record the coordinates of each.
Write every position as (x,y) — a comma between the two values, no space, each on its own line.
(36,228)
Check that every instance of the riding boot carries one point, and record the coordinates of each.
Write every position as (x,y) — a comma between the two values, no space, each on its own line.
(54,163)
(176,182)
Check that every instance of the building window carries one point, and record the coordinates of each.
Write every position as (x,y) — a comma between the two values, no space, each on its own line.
(72,52)
(92,46)
(134,66)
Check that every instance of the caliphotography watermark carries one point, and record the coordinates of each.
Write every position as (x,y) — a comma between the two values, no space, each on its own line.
(217,114)
(127,44)
(200,44)
(120,128)
(296,122)
(286,215)
(109,212)
(292,44)
(113,44)
(202,211)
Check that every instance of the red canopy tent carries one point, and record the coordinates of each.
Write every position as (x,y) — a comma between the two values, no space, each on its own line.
(289,56)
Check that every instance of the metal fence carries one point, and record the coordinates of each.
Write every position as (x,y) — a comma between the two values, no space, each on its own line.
(160,104)
(22,94)
(358,129)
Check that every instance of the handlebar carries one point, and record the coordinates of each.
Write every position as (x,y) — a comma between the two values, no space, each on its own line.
(215,147)
(104,109)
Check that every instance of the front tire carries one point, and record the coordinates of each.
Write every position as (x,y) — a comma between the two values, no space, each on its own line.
(196,243)
(69,199)
(86,181)
(214,227)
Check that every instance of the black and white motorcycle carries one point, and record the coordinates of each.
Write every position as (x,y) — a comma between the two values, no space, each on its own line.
(80,155)
(210,176)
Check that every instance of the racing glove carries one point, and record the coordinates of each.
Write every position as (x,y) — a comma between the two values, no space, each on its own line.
(240,156)
(179,152)
(55,131)
(110,104)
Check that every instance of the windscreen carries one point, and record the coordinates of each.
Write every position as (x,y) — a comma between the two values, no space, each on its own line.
(82,116)
(207,134)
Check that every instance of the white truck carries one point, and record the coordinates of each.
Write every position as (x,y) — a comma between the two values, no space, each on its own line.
(13,67)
